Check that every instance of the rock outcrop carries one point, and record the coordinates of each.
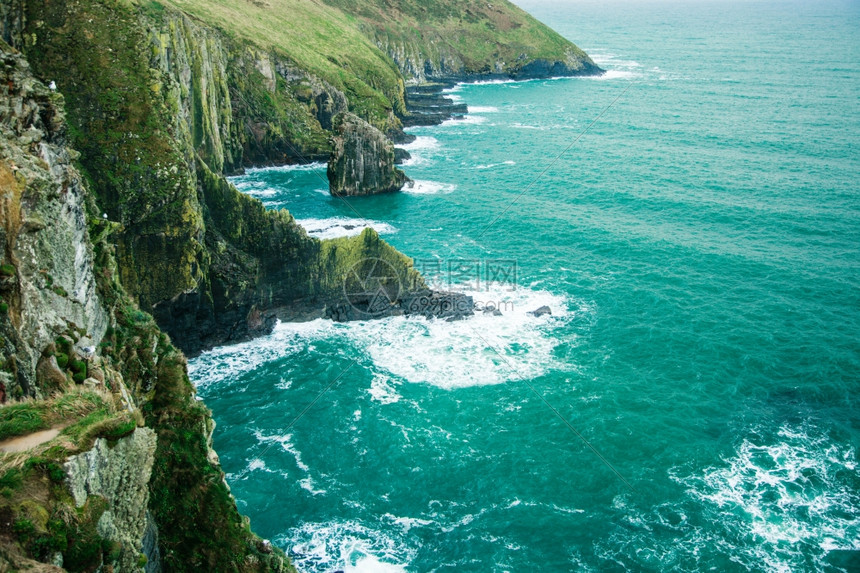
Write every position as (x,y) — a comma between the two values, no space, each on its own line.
(431,62)
(467,41)
(47,281)
(119,474)
(363,159)
(380,303)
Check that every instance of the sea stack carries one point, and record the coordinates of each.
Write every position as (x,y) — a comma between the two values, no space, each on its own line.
(362,159)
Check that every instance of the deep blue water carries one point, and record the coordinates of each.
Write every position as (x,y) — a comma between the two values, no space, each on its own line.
(699,247)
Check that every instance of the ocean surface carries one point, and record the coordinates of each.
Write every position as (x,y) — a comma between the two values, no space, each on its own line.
(692,402)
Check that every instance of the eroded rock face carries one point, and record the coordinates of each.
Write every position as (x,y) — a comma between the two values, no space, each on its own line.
(120,474)
(48,285)
(362,162)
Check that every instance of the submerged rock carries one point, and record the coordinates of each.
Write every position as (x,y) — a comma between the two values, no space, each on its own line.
(362,161)
(492,311)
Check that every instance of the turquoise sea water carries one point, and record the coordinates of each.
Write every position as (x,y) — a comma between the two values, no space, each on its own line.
(700,250)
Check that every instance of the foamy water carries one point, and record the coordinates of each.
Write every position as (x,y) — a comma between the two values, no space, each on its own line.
(342,227)
(482,349)
(421,187)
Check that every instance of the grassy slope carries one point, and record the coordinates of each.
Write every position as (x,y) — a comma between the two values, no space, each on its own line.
(477,31)
(317,37)
(336,39)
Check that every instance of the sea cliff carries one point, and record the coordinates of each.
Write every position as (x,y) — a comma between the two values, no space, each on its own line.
(123,240)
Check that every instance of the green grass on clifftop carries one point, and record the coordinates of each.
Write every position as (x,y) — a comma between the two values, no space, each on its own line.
(318,38)
(477,32)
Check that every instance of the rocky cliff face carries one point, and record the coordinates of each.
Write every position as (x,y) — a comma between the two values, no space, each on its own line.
(47,283)
(120,475)
(105,492)
(362,161)
(161,103)
(429,62)
(465,40)
(158,101)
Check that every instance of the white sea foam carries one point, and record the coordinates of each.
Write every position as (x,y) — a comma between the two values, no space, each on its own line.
(308,485)
(616,67)
(342,227)
(483,109)
(492,165)
(285,168)
(419,187)
(493,82)
(383,390)
(420,150)
(408,523)
(523,126)
(616,75)
(775,504)
(777,483)
(286,444)
(258,189)
(257,464)
(348,546)
(371,564)
(467,119)
(481,350)
(422,142)
(227,364)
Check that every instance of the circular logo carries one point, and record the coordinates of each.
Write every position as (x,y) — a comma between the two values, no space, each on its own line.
(372,286)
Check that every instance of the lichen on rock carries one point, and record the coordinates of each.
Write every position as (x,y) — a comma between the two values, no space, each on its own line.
(120,474)
(49,284)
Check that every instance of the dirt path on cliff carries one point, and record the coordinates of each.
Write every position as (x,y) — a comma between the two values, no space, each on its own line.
(22,443)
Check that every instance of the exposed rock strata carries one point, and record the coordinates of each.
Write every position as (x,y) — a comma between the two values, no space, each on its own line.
(428,62)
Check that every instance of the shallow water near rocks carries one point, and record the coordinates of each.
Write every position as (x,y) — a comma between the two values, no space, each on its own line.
(699,248)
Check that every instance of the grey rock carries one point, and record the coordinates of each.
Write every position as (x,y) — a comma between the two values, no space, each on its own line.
(541,311)
(362,161)
(427,303)
(150,546)
(401,155)
(46,232)
(120,474)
